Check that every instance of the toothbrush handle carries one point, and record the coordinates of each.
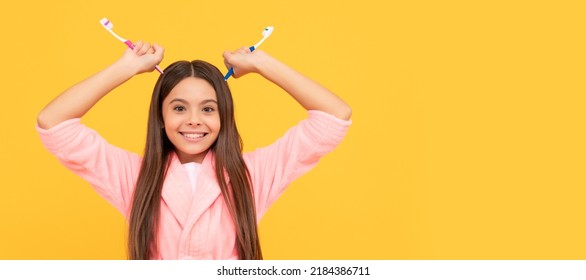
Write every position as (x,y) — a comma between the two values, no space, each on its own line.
(131,46)
(231,71)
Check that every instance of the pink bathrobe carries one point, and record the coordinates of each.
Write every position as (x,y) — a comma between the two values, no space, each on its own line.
(194,225)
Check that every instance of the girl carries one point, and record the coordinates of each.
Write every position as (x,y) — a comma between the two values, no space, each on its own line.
(193,195)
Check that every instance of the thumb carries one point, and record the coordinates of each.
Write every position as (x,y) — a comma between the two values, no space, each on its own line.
(227,55)
(159,51)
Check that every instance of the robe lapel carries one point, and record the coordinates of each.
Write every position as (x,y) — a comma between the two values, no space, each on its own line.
(177,192)
(207,190)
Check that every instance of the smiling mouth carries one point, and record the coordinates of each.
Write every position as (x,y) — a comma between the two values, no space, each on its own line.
(193,135)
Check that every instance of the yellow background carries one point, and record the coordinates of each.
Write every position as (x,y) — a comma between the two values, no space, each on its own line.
(468,137)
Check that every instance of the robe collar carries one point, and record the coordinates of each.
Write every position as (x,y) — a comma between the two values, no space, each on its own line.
(177,193)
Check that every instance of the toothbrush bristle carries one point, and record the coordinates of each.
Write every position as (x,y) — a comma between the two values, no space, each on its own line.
(267,31)
(106,23)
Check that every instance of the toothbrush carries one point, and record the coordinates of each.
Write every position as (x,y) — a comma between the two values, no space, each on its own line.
(265,34)
(108,25)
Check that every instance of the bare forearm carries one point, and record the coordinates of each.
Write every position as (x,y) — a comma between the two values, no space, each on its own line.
(80,98)
(308,93)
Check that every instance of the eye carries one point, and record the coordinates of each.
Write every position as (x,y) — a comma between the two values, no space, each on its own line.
(179,108)
(209,109)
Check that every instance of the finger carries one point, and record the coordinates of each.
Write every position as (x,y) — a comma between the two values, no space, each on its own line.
(227,55)
(158,50)
(137,46)
(144,49)
(243,50)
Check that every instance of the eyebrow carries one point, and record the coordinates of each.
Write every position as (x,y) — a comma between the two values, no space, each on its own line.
(185,101)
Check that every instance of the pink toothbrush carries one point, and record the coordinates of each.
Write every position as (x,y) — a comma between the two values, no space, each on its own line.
(108,25)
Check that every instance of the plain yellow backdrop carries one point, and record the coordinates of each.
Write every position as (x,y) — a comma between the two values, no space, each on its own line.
(467,139)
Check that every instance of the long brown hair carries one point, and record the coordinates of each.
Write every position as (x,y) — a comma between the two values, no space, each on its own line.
(238,195)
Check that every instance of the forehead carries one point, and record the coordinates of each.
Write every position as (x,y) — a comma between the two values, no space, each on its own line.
(192,89)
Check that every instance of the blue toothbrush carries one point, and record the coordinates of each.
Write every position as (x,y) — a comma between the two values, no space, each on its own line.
(265,34)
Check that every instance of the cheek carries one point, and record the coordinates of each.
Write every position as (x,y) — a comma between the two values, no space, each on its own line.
(164,116)
(217,124)
(171,121)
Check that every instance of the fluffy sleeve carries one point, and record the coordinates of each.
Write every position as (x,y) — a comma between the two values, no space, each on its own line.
(274,167)
(112,171)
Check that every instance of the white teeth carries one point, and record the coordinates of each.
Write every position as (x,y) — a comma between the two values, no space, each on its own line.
(194,135)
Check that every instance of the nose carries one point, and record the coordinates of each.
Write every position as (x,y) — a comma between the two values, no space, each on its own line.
(194,120)
(193,123)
